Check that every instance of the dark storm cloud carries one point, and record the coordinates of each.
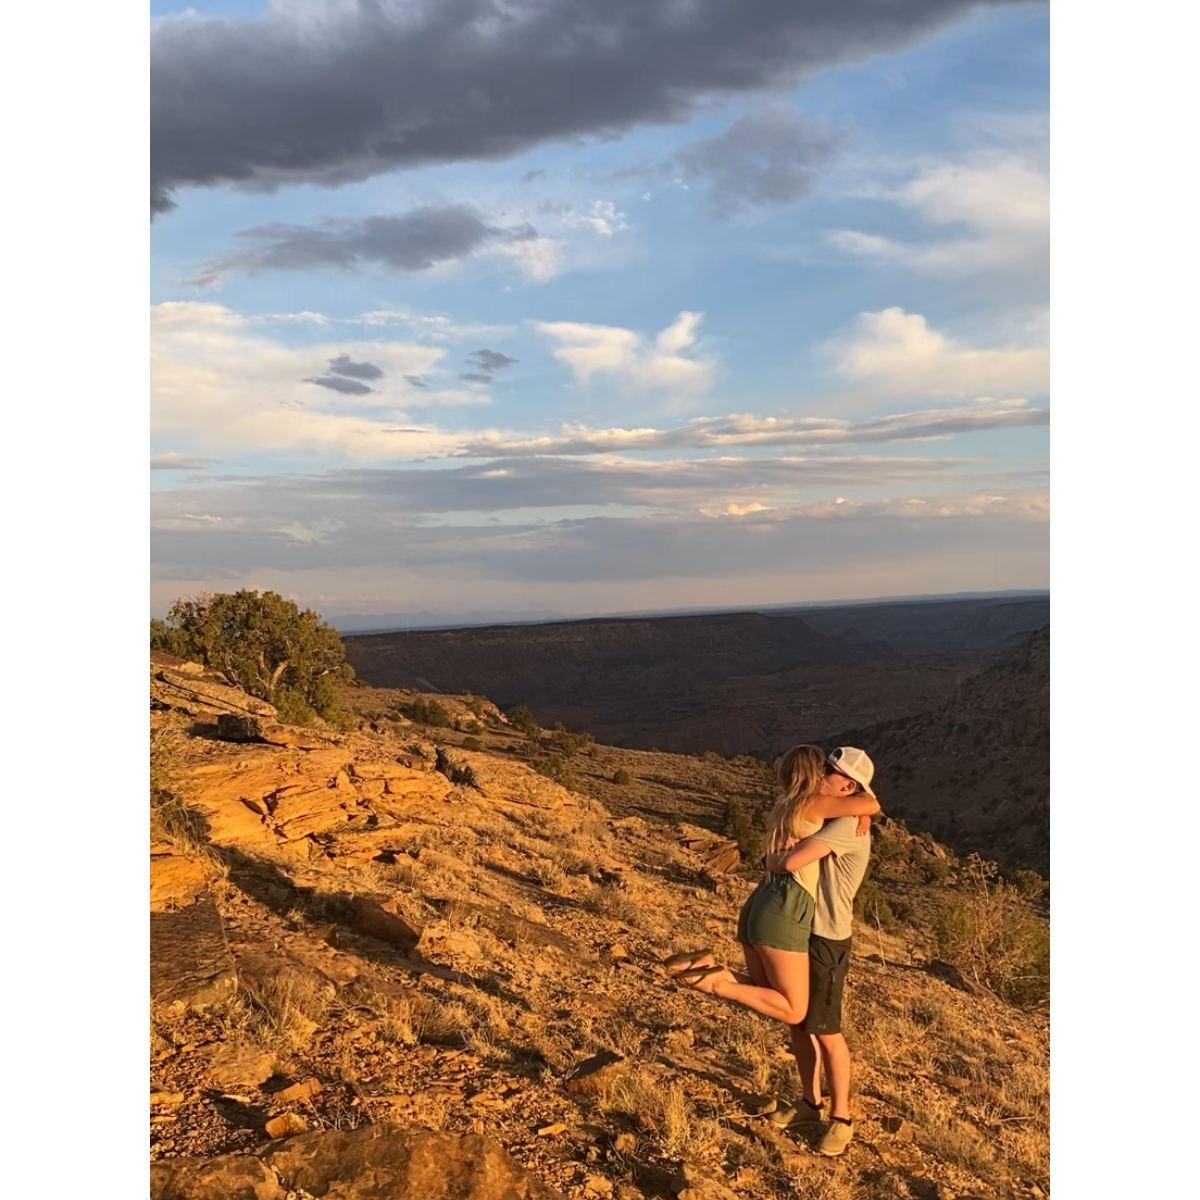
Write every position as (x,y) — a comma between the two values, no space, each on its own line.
(411,241)
(765,158)
(491,360)
(337,383)
(331,94)
(344,365)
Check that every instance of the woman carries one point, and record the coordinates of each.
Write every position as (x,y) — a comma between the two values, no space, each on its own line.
(775,922)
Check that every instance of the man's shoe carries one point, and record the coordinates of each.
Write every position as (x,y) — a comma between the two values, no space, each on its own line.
(837,1138)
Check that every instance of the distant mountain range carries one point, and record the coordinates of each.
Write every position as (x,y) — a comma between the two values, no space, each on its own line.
(354,623)
(732,682)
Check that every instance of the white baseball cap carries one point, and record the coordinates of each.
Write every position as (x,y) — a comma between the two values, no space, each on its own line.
(854,764)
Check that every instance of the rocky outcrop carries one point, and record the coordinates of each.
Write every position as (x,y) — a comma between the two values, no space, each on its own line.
(190,963)
(177,879)
(199,695)
(375,1162)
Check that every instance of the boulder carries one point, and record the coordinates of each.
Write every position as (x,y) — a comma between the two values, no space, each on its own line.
(374,1162)
(238,1065)
(380,917)
(239,727)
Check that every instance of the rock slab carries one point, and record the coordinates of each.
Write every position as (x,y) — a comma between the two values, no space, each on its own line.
(375,1162)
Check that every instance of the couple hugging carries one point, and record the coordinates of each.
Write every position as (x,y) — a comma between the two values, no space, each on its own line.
(795,928)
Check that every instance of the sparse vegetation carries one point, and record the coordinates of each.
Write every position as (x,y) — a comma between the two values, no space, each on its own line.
(990,933)
(621,776)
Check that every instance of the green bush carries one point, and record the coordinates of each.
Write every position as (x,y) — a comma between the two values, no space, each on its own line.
(472,743)
(621,776)
(521,719)
(740,823)
(263,644)
(568,743)
(427,712)
(875,908)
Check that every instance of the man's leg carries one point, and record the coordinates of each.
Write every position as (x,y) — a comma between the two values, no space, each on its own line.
(808,1063)
(837,1071)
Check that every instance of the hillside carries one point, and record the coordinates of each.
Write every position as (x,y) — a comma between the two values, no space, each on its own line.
(736,683)
(976,770)
(381,958)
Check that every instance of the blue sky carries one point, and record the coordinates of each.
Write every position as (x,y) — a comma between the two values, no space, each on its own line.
(476,347)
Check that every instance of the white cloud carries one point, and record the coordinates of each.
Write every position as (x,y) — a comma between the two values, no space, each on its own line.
(990,215)
(219,384)
(668,363)
(900,354)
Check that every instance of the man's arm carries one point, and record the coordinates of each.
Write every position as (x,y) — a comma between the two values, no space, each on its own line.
(797,856)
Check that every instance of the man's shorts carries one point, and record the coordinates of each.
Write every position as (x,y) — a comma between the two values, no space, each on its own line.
(828,962)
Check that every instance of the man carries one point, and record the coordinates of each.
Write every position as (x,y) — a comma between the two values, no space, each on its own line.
(843,853)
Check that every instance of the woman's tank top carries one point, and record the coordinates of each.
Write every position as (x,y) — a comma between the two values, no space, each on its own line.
(807,876)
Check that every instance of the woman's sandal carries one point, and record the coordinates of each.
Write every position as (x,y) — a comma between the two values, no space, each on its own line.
(694,975)
(684,959)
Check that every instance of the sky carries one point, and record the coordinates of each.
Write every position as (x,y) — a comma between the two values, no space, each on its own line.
(493,309)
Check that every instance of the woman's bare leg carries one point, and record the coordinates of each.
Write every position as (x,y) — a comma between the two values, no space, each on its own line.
(784,997)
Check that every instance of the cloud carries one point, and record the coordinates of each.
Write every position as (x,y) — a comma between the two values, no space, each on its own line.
(765,158)
(347,387)
(667,363)
(173,460)
(345,365)
(333,92)
(746,429)
(476,377)
(342,537)
(413,241)
(491,360)
(900,354)
(990,215)
(218,384)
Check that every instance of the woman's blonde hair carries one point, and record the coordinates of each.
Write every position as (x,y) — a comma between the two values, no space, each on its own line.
(800,772)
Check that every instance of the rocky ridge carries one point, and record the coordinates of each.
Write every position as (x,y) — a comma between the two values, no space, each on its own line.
(366,941)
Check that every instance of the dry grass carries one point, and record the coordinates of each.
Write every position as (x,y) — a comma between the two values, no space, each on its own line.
(664,1112)
(280,1009)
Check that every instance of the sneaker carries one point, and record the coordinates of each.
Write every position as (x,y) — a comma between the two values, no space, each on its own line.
(806,1114)
(837,1138)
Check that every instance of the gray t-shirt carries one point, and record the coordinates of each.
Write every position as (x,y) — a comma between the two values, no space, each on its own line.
(842,870)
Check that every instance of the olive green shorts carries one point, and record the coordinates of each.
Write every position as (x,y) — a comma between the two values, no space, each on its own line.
(778,913)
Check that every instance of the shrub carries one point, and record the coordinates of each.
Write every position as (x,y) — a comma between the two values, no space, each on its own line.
(740,825)
(262,643)
(992,935)
(874,907)
(621,776)
(555,767)
(427,712)
(520,718)
(567,742)
(472,743)
(1030,884)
